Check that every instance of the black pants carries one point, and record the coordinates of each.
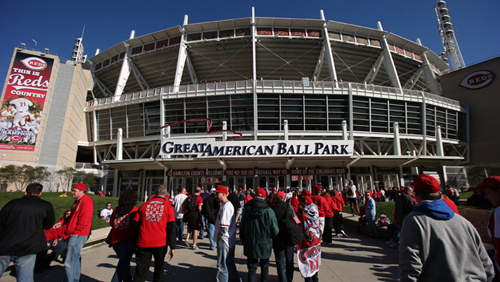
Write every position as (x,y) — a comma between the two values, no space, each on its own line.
(143,261)
(338,222)
(327,233)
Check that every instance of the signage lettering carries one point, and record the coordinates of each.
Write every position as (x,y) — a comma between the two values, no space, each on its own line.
(478,79)
(212,148)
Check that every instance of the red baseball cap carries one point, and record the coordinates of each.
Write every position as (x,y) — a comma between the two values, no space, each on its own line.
(490,182)
(221,189)
(317,188)
(280,195)
(80,186)
(426,183)
(306,193)
(308,200)
(261,193)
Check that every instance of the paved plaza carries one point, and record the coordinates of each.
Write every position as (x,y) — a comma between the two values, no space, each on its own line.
(353,258)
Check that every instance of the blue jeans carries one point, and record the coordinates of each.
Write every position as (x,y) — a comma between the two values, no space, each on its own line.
(124,250)
(284,262)
(252,269)
(210,234)
(202,231)
(226,268)
(372,226)
(73,264)
(180,228)
(24,266)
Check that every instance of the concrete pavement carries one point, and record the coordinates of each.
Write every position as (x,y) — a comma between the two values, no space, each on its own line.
(352,258)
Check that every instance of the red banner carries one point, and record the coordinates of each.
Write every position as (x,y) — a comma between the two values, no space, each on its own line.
(253,172)
(22,106)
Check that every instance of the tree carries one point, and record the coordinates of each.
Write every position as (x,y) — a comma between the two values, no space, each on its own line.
(66,175)
(37,174)
(8,175)
(86,178)
(22,177)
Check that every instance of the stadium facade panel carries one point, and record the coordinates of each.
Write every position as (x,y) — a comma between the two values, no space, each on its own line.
(365,102)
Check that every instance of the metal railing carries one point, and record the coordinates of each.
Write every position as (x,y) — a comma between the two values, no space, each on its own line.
(285,86)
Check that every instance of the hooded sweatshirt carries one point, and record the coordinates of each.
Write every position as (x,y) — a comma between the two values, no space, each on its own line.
(258,228)
(438,245)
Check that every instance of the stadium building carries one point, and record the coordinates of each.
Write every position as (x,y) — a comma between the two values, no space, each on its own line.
(270,102)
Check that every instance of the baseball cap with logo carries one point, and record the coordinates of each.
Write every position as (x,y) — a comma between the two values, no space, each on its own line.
(261,193)
(490,182)
(80,186)
(221,189)
(426,183)
(306,193)
(281,196)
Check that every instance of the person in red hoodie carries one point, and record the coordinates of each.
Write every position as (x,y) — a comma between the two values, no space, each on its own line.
(78,228)
(337,213)
(319,201)
(330,205)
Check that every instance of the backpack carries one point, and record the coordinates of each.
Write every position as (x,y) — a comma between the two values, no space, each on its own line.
(190,204)
(292,227)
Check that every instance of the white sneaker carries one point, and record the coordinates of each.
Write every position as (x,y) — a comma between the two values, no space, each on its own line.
(390,242)
(393,245)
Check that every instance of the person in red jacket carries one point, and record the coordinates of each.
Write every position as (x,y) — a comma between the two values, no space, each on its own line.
(329,207)
(321,203)
(78,228)
(338,224)
(123,237)
(156,222)
(294,202)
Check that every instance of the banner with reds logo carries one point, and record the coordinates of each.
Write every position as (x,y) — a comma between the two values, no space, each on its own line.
(22,106)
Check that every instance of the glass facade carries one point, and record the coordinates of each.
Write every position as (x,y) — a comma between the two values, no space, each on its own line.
(304,112)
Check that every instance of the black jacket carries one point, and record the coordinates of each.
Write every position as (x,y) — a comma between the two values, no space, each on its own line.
(210,208)
(21,226)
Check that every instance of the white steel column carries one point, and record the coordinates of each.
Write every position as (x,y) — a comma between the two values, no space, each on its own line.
(285,125)
(181,59)
(115,184)
(344,130)
(397,144)
(125,71)
(439,143)
(119,145)
(328,51)
(254,79)
(429,75)
(351,114)
(389,62)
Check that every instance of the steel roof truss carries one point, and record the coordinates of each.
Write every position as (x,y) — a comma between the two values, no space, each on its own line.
(374,70)
(138,76)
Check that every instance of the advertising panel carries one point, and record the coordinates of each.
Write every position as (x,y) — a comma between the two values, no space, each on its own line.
(22,106)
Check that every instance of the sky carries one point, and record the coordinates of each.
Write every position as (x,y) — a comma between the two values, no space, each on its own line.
(55,24)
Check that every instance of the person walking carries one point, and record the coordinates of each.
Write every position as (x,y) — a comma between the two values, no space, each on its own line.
(123,237)
(210,210)
(351,196)
(309,249)
(192,215)
(79,225)
(179,212)
(282,246)
(257,229)
(438,245)
(371,215)
(156,223)
(22,222)
(225,236)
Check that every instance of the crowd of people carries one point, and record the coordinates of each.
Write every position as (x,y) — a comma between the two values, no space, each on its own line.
(434,241)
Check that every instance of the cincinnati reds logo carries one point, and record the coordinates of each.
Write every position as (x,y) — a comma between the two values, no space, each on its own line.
(34,63)
(122,223)
(154,211)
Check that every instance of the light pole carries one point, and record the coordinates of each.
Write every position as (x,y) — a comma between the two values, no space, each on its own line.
(1,160)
